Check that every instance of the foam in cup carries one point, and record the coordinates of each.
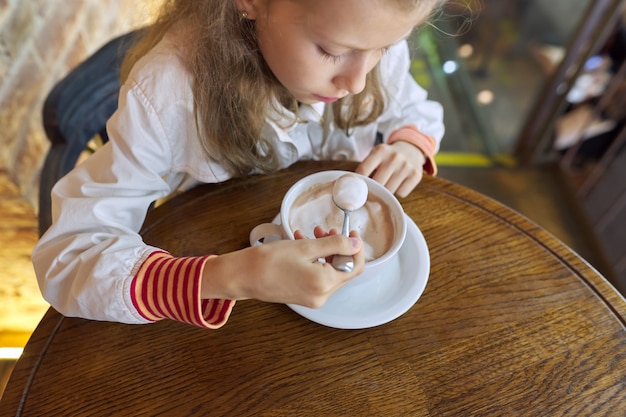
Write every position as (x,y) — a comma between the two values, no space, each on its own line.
(373,221)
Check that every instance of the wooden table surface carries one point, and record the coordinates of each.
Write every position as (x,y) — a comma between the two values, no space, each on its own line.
(511,323)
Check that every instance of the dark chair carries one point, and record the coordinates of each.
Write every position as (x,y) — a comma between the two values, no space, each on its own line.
(76,111)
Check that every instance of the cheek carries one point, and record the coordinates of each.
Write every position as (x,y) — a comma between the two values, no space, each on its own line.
(374,60)
(276,57)
(301,66)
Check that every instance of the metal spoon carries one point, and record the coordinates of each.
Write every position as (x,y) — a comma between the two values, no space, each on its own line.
(349,194)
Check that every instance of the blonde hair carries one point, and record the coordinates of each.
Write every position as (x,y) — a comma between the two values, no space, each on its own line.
(233,87)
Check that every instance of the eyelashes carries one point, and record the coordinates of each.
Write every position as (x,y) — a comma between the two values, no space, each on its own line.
(326,56)
(336,59)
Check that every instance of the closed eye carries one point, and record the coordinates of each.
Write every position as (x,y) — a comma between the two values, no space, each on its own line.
(335,59)
(327,56)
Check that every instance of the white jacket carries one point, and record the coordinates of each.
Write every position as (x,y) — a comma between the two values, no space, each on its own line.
(86,261)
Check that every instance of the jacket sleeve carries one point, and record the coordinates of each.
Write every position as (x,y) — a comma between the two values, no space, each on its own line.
(92,262)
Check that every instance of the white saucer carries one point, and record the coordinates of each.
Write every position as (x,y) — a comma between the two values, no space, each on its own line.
(359,306)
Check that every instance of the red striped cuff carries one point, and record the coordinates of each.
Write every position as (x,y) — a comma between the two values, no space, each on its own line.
(169,287)
(424,142)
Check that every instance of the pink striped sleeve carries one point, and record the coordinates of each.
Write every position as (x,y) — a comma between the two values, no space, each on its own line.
(424,142)
(169,287)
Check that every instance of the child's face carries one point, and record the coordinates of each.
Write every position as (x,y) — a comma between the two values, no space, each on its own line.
(321,50)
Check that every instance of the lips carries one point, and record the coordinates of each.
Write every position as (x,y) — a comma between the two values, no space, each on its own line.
(326,99)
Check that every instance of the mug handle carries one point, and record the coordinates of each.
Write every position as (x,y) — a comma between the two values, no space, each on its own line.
(265,233)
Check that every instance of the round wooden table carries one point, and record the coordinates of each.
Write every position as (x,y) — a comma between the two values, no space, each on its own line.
(512,323)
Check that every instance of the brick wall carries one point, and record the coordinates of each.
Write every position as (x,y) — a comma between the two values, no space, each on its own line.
(40,41)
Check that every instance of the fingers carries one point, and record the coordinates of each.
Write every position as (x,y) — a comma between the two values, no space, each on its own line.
(409,183)
(310,282)
(396,174)
(319,231)
(359,257)
(369,165)
(399,167)
(329,245)
(284,271)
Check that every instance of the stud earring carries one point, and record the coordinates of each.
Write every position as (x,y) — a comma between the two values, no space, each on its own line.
(244,15)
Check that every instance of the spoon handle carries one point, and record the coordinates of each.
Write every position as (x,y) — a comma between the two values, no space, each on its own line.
(344,263)
(345,230)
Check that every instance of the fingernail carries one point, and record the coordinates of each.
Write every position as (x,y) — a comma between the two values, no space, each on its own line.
(355,242)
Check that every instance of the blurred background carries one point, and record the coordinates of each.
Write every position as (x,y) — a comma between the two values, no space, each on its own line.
(532,92)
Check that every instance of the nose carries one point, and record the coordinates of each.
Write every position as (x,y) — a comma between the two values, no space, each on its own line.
(352,76)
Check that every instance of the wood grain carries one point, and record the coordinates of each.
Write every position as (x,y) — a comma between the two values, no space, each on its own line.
(511,323)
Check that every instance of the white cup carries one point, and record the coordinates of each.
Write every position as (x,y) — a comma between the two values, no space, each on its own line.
(374,268)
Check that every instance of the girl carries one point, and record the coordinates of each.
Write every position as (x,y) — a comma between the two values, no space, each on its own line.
(225,88)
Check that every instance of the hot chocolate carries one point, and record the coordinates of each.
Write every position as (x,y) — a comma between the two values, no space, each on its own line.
(373,221)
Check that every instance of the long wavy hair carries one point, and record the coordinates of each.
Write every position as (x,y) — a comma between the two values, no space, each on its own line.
(234,89)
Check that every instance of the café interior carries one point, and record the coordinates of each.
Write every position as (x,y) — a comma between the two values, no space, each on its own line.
(534,119)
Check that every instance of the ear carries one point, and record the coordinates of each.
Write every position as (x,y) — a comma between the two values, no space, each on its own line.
(249,7)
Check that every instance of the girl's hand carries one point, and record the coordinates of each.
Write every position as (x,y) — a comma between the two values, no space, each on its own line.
(285,271)
(319,232)
(399,167)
